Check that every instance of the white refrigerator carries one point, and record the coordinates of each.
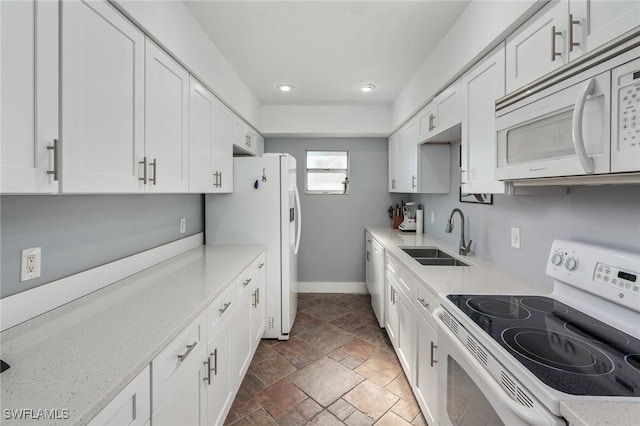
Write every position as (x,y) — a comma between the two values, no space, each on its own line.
(264,209)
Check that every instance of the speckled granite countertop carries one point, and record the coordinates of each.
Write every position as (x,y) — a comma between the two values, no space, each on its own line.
(483,277)
(80,355)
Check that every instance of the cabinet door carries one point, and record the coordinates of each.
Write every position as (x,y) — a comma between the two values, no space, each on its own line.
(218,379)
(391,309)
(393,162)
(425,386)
(539,46)
(597,22)
(102,99)
(409,157)
(481,87)
(448,110)
(29,92)
(166,123)
(223,147)
(185,403)
(241,136)
(202,105)
(132,406)
(258,312)
(241,337)
(404,338)
(426,118)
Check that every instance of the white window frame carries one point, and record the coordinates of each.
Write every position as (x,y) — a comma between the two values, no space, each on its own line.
(345,191)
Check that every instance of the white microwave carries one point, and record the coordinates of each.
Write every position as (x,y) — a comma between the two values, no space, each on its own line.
(587,124)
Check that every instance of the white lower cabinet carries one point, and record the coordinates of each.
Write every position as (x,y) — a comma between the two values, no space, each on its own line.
(242,338)
(404,333)
(258,312)
(218,382)
(391,308)
(132,406)
(425,384)
(184,404)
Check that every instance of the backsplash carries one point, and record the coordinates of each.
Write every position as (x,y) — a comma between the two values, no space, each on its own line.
(80,232)
(604,215)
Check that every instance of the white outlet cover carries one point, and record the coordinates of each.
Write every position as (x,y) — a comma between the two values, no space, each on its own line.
(515,238)
(433,217)
(183,225)
(30,270)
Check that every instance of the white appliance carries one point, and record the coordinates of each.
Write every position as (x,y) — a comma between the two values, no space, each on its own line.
(409,214)
(374,276)
(587,124)
(511,359)
(264,209)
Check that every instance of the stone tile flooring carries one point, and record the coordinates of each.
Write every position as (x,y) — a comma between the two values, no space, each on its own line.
(338,368)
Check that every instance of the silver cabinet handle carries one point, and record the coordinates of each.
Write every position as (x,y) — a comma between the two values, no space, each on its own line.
(215,180)
(143,163)
(186,354)
(433,348)
(246,282)
(255,298)
(258,291)
(220,180)
(154,164)
(247,140)
(432,125)
(393,184)
(208,364)
(554,34)
(56,168)
(413,181)
(224,308)
(572,22)
(214,354)
(423,302)
(260,266)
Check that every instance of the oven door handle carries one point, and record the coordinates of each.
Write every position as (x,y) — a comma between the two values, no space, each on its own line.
(529,415)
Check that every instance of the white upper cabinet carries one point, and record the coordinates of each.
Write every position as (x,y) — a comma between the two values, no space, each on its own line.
(595,22)
(426,118)
(166,122)
(408,156)
(246,141)
(448,113)
(539,46)
(210,144)
(102,99)
(481,86)
(29,91)
(394,141)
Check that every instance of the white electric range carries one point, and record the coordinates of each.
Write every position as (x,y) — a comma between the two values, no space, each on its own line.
(511,359)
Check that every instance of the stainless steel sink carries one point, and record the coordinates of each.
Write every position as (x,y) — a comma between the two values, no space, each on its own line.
(432,256)
(440,262)
(430,252)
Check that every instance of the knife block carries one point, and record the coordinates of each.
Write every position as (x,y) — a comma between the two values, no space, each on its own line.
(396,221)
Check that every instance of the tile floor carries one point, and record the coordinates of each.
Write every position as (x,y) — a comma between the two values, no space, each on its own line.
(337,368)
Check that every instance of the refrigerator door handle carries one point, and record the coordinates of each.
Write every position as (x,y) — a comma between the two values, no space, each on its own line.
(298,220)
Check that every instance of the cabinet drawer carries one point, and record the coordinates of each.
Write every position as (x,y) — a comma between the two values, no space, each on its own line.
(176,358)
(221,307)
(248,277)
(132,406)
(405,280)
(391,264)
(426,301)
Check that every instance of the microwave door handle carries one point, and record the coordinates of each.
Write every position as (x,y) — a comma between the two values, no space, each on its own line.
(576,131)
(529,415)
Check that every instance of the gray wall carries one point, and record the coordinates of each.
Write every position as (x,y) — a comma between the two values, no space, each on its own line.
(332,245)
(80,232)
(606,215)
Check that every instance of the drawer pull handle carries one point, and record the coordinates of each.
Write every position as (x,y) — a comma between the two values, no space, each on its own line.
(224,308)
(246,282)
(214,354)
(186,354)
(423,303)
(260,266)
(208,364)
(56,168)
(433,347)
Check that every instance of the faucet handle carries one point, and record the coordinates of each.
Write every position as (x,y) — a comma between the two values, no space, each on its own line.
(467,249)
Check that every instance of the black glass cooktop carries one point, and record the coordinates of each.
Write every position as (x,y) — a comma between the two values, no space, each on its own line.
(565,348)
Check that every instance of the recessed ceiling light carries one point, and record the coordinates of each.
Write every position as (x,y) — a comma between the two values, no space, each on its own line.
(286,87)
(366,87)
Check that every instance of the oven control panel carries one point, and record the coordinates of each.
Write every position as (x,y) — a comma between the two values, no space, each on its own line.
(608,273)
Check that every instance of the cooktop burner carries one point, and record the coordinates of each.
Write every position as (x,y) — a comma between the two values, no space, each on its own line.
(565,348)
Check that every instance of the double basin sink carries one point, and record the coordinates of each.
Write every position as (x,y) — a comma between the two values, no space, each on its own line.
(432,256)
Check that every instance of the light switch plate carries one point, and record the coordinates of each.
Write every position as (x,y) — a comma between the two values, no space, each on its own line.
(30,263)
(515,238)
(183,225)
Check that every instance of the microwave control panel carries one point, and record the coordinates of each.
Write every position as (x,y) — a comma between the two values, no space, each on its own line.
(629,107)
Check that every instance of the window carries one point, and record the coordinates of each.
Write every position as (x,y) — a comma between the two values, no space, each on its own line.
(327,172)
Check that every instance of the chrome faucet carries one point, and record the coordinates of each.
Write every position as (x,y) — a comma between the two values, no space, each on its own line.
(464,248)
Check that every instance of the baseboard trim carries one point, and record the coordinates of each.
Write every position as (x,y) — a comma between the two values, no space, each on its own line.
(332,287)
(28,304)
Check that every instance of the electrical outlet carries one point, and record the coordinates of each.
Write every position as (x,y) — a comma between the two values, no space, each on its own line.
(183,225)
(30,263)
(433,217)
(270,322)
(515,238)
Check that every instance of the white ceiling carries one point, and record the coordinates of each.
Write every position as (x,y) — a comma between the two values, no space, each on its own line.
(325,48)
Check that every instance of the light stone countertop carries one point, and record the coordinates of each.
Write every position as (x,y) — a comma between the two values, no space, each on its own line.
(484,277)
(82,354)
